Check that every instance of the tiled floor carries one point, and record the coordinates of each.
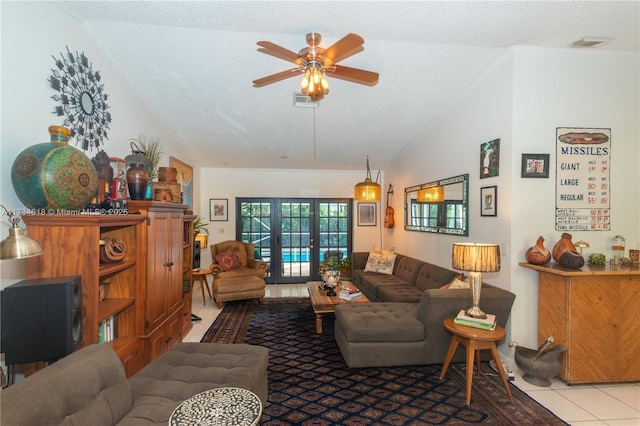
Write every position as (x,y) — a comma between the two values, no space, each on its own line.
(581,405)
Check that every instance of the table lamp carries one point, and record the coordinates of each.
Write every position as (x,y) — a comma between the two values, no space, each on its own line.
(476,258)
(17,245)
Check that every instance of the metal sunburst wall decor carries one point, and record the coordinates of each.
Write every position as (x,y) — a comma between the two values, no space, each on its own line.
(82,99)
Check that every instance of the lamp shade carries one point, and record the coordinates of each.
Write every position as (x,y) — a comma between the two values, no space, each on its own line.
(476,257)
(367,191)
(17,245)
(431,195)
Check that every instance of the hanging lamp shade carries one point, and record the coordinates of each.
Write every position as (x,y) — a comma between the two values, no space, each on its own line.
(431,195)
(367,190)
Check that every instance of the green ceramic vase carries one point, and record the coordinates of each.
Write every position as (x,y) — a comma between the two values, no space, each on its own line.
(53,175)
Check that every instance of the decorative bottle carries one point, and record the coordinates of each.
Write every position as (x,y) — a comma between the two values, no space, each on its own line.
(565,253)
(618,245)
(538,254)
(54,176)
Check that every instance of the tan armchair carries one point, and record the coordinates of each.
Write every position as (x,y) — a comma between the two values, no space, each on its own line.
(245,252)
(243,282)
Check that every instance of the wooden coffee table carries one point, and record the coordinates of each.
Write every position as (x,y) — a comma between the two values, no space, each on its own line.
(323,304)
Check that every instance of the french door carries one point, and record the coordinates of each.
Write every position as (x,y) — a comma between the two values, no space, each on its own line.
(294,235)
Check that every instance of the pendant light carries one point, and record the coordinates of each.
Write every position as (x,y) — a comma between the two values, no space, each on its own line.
(367,190)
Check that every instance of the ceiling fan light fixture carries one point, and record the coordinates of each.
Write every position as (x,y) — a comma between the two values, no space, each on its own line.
(367,190)
(314,83)
(314,62)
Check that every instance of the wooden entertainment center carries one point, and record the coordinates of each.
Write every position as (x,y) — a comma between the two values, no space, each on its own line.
(145,293)
(593,311)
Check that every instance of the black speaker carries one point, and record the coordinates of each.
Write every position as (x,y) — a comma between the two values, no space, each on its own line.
(41,319)
(196,254)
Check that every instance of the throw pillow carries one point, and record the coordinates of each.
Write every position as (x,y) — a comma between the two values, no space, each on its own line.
(381,263)
(458,281)
(378,250)
(228,260)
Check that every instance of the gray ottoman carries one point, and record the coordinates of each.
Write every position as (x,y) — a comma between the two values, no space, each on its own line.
(380,334)
(190,368)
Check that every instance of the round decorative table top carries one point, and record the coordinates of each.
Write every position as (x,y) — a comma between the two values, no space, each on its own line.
(220,406)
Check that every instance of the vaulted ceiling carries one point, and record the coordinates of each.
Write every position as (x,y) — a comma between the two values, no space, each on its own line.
(194,63)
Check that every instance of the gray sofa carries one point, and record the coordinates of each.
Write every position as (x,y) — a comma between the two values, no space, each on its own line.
(404,326)
(89,386)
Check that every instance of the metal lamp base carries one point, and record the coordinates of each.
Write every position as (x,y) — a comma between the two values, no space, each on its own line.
(475,312)
(475,282)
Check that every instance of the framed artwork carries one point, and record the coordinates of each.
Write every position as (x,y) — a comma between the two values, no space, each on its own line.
(535,166)
(185,179)
(218,209)
(367,214)
(489,158)
(489,201)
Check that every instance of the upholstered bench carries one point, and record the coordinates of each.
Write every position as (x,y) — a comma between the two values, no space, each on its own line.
(379,334)
(237,288)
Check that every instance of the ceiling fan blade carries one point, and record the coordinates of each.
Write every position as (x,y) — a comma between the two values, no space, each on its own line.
(344,47)
(276,77)
(277,51)
(354,75)
(328,62)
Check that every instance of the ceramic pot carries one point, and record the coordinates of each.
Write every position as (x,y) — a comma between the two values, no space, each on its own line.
(538,254)
(564,244)
(571,259)
(138,173)
(54,175)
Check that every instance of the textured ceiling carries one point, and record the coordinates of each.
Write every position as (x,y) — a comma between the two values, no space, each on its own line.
(194,63)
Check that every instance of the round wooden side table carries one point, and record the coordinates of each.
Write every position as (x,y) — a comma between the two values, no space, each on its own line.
(474,339)
(201,275)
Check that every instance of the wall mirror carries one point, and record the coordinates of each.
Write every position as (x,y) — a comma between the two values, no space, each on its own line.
(439,206)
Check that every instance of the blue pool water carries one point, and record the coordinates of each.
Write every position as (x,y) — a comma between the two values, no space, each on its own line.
(295,256)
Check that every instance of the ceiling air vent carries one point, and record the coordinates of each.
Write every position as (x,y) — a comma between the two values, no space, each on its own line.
(591,42)
(303,101)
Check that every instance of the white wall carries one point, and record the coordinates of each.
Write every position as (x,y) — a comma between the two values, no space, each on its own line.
(32,33)
(243,183)
(521,99)
(570,88)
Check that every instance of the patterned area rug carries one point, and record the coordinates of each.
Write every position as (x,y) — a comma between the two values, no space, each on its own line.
(309,383)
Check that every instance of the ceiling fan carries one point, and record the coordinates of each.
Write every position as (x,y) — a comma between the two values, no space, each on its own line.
(315,63)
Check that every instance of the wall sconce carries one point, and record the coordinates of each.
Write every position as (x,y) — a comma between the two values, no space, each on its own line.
(367,190)
(17,245)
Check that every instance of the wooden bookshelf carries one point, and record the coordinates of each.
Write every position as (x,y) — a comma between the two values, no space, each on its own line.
(71,246)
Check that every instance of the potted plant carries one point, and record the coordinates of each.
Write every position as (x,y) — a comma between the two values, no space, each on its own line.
(200,226)
(345,267)
(152,150)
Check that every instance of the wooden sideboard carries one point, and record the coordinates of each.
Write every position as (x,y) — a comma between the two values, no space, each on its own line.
(594,312)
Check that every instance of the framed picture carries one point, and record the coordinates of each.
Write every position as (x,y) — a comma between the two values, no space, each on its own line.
(218,209)
(185,179)
(367,214)
(489,158)
(535,166)
(489,201)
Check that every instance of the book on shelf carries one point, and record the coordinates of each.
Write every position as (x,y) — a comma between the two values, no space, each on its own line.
(108,329)
(488,323)
(350,294)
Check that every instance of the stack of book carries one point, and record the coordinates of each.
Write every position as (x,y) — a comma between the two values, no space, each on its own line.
(488,323)
(350,293)
(108,329)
